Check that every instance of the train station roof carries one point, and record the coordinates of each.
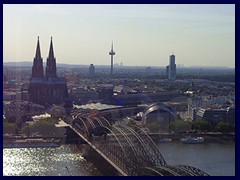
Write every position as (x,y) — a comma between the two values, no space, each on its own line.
(98,106)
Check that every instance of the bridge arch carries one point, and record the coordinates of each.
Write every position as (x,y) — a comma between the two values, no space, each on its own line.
(177,170)
(129,147)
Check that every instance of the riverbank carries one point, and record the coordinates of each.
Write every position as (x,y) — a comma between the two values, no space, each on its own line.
(31,142)
(208,136)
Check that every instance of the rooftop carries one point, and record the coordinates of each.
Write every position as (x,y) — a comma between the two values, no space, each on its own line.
(98,106)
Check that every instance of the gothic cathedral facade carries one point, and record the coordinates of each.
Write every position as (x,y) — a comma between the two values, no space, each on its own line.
(49,89)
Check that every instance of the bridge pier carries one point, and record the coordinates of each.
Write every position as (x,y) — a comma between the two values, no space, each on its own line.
(102,165)
(128,150)
(72,137)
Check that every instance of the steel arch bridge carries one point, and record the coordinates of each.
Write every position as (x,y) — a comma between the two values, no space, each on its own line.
(128,148)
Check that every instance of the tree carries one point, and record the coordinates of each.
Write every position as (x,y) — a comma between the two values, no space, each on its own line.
(131,122)
(153,127)
(201,125)
(10,128)
(180,126)
(45,127)
(225,127)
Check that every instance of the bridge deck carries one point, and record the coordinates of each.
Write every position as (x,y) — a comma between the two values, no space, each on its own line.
(129,149)
(99,152)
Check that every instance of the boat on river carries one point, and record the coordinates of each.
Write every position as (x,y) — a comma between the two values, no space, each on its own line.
(192,140)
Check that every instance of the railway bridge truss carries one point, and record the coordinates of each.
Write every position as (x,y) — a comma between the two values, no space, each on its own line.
(128,148)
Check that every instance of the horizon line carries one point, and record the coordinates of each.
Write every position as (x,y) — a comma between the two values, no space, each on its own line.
(185,66)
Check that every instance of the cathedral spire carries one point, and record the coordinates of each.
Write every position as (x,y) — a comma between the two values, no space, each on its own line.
(51,70)
(37,69)
(38,51)
(51,53)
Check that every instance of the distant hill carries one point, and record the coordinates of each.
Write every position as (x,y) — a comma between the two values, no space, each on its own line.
(27,63)
(61,65)
(209,67)
(22,63)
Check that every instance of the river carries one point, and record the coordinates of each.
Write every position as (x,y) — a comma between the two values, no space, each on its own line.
(217,159)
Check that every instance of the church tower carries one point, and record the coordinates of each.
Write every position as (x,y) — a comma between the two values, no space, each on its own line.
(51,70)
(37,69)
(50,89)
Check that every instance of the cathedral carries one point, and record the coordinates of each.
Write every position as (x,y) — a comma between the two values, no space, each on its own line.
(49,89)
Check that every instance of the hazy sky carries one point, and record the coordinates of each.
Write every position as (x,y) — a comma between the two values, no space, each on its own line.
(199,35)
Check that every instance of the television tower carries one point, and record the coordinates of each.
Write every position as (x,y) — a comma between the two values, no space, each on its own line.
(112,53)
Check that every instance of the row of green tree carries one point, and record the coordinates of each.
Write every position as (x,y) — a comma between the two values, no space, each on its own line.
(43,127)
(211,77)
(183,126)
(10,128)
(201,125)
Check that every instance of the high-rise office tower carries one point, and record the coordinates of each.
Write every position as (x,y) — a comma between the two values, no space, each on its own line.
(171,68)
(91,70)
(112,53)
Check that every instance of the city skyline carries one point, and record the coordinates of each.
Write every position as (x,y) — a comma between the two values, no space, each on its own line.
(143,35)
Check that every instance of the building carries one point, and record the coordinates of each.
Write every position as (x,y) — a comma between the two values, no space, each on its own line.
(171,68)
(133,99)
(49,89)
(167,70)
(91,70)
(192,110)
(19,111)
(123,89)
(211,115)
(9,96)
(231,114)
(105,92)
(82,96)
(109,111)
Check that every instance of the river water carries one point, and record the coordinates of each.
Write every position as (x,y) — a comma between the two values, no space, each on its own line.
(217,159)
